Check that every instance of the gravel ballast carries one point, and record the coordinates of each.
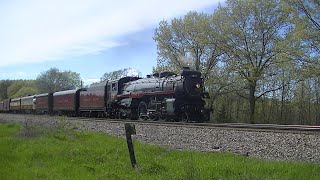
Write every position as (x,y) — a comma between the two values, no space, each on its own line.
(279,145)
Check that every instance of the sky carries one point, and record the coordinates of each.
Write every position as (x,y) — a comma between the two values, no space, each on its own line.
(89,37)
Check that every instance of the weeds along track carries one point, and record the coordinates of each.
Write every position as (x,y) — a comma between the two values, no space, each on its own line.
(267,141)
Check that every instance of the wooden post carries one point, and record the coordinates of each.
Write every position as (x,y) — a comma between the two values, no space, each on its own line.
(130,129)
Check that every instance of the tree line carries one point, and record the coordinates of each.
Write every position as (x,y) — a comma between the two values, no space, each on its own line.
(259,59)
(54,80)
(51,80)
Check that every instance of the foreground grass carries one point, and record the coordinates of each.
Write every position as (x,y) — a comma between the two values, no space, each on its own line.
(82,155)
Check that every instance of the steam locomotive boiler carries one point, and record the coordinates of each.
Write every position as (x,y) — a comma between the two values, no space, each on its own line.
(163,95)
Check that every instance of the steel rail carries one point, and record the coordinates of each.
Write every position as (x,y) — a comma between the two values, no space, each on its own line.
(240,126)
(278,127)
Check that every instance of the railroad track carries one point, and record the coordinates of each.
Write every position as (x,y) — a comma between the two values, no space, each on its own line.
(240,126)
(245,126)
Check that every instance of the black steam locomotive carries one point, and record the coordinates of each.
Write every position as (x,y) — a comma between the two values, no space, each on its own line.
(164,95)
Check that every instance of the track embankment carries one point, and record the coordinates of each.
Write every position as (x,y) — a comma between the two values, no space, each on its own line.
(264,144)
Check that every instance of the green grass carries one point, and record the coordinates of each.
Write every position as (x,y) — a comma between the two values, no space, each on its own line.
(59,154)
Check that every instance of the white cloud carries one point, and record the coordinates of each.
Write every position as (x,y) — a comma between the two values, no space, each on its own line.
(37,31)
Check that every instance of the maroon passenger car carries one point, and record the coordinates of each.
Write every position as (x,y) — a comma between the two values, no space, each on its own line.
(93,100)
(44,103)
(66,102)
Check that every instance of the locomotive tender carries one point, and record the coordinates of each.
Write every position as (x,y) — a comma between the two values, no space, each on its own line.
(164,95)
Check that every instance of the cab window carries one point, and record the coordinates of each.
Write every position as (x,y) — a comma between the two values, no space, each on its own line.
(114,87)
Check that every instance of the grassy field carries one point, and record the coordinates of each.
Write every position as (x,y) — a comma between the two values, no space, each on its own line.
(36,153)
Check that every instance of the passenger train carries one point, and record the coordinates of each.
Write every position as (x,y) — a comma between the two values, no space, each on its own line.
(166,95)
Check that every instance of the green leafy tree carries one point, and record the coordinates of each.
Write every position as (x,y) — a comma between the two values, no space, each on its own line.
(4,84)
(186,41)
(55,80)
(250,34)
(14,88)
(25,91)
(20,88)
(191,41)
(306,18)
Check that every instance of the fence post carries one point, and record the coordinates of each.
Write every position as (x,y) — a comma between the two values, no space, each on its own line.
(130,129)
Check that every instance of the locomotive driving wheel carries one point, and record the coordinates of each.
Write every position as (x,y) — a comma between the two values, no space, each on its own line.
(152,112)
(142,111)
(154,117)
(185,117)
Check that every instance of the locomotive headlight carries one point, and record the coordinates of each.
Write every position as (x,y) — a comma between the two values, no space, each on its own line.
(198,85)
